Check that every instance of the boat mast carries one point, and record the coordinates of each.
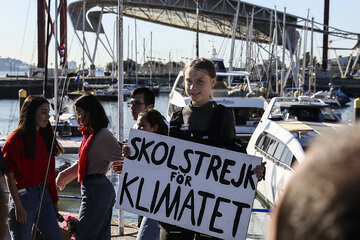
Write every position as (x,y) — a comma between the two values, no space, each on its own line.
(304,52)
(48,36)
(234,28)
(41,33)
(269,72)
(120,92)
(56,91)
(128,53)
(136,68)
(276,53)
(325,35)
(63,33)
(83,32)
(151,57)
(197,29)
(311,69)
(283,53)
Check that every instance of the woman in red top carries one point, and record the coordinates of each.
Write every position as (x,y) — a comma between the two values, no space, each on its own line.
(26,152)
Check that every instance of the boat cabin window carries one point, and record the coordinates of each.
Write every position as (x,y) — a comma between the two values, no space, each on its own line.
(286,156)
(260,140)
(219,66)
(247,116)
(274,147)
(265,144)
(279,150)
(311,114)
(306,114)
(180,85)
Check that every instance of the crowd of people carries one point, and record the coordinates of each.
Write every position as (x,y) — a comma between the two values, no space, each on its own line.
(321,201)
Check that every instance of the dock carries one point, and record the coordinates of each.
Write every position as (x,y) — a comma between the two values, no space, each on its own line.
(9,86)
(130,229)
(70,146)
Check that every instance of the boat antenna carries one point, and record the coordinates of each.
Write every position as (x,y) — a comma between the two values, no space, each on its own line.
(197,29)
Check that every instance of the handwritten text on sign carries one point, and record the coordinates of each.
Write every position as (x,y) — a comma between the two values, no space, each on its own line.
(195,186)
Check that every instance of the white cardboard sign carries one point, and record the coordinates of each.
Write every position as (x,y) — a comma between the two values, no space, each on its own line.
(206,189)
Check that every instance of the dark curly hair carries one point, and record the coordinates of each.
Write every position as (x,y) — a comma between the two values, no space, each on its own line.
(153,117)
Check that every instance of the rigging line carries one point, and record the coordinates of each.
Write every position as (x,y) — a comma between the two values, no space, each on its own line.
(317,44)
(34,44)
(12,116)
(23,38)
(111,49)
(108,51)
(48,36)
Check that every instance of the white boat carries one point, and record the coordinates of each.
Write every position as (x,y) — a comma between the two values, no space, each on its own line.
(247,110)
(285,130)
(67,127)
(326,98)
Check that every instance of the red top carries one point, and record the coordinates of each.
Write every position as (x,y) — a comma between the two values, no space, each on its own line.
(83,151)
(29,172)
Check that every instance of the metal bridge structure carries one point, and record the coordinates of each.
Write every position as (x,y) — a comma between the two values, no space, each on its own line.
(215,17)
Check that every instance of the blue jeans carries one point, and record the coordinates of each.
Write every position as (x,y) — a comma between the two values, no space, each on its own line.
(149,230)
(48,225)
(98,198)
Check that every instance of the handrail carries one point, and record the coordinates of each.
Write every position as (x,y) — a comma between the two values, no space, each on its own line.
(265,210)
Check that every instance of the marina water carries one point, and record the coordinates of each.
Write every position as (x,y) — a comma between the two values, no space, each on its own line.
(9,116)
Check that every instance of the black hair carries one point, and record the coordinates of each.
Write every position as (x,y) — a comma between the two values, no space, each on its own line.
(92,105)
(27,128)
(149,96)
(153,117)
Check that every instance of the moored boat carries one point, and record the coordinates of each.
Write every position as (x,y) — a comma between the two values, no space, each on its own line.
(285,130)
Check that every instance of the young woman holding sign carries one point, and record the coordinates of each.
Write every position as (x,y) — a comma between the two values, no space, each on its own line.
(202,121)
(98,149)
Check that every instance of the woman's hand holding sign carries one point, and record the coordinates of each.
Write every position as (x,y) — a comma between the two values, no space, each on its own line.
(259,171)
(118,165)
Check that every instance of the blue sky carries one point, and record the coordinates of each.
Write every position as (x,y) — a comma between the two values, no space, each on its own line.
(18,32)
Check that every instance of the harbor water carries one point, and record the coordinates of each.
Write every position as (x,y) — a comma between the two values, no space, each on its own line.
(9,110)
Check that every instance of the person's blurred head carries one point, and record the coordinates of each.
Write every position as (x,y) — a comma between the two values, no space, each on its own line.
(141,99)
(151,120)
(34,116)
(200,78)
(90,113)
(322,200)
